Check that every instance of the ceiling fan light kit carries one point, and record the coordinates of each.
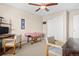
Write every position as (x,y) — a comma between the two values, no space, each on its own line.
(43,6)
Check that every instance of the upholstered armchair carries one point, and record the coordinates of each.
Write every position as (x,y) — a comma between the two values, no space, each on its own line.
(54,46)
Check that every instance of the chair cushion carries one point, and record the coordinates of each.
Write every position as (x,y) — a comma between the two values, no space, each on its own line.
(56,50)
(9,44)
(59,43)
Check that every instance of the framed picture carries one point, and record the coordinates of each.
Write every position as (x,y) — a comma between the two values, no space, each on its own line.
(22,23)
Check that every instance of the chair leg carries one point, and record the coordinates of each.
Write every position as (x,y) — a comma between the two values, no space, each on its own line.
(46,50)
(20,41)
(14,50)
(4,49)
(20,44)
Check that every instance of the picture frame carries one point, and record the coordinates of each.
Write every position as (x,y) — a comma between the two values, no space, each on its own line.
(22,23)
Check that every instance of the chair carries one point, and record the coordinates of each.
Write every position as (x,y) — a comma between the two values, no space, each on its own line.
(54,46)
(10,42)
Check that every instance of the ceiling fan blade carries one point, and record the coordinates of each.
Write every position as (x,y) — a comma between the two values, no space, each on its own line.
(33,4)
(47,9)
(38,9)
(50,4)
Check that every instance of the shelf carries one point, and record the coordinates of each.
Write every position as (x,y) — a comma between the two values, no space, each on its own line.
(5,23)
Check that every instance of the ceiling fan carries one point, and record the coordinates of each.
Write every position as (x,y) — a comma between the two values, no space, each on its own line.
(43,6)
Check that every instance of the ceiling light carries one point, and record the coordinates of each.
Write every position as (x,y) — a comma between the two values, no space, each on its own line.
(43,7)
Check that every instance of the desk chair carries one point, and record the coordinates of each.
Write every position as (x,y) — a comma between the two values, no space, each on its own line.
(54,46)
(10,42)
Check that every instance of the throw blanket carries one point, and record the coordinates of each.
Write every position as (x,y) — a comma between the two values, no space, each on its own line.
(34,34)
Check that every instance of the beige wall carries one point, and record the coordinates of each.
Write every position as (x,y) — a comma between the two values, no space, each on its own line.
(33,22)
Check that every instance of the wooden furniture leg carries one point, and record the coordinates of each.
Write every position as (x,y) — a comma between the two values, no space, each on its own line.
(46,50)
(32,41)
(20,45)
(4,45)
(20,41)
(4,49)
(14,50)
(14,46)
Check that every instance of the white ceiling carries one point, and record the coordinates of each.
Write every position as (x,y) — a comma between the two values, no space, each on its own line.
(57,8)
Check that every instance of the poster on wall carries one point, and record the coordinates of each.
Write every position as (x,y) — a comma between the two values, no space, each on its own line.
(22,23)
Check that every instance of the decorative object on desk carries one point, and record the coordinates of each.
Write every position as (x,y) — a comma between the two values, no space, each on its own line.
(22,23)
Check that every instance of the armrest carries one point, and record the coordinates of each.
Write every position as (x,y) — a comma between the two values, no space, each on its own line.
(57,43)
(53,45)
